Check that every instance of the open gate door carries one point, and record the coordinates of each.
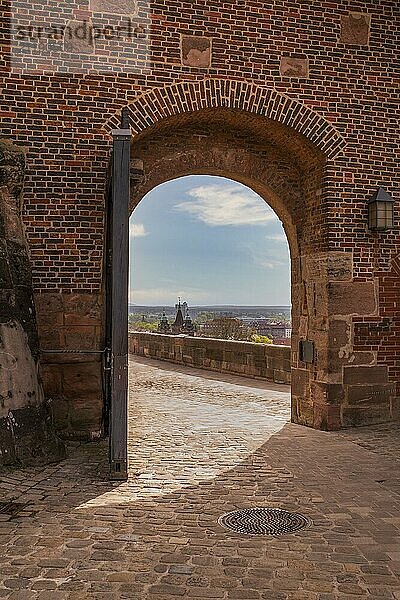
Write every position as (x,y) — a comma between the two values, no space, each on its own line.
(117,267)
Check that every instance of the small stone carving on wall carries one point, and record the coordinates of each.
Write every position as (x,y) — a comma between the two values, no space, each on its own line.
(196,51)
(355,29)
(127,7)
(78,37)
(294,67)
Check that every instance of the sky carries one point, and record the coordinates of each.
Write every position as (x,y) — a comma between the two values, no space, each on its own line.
(209,240)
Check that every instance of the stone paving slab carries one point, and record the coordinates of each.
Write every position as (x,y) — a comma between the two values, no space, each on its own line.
(200,448)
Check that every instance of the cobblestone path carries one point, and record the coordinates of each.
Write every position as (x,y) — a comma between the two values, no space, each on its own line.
(200,446)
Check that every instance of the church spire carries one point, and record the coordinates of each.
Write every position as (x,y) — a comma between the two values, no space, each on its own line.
(178,323)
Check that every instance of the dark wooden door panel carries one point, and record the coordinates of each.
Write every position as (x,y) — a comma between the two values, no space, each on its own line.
(117,302)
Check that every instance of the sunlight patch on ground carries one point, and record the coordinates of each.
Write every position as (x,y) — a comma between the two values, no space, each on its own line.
(184,430)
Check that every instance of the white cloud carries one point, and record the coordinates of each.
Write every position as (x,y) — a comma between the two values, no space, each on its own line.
(276,257)
(277,237)
(227,204)
(169,296)
(272,263)
(137,230)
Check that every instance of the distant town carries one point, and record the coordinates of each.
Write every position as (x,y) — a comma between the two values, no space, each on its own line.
(260,324)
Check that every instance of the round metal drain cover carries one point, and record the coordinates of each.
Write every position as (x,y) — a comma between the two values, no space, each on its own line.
(264,521)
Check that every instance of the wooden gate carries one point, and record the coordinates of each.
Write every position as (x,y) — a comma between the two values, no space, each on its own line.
(117,269)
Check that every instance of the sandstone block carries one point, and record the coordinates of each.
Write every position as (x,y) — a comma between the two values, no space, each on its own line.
(196,51)
(338,359)
(82,309)
(128,7)
(331,266)
(215,354)
(327,393)
(269,374)
(365,375)
(51,379)
(282,352)
(86,415)
(304,413)
(281,376)
(353,298)
(370,394)
(300,382)
(82,379)
(316,306)
(34,437)
(339,333)
(302,325)
(355,29)
(339,266)
(294,410)
(294,67)
(49,337)
(78,37)
(395,408)
(340,347)
(327,417)
(273,362)
(49,308)
(358,416)
(80,338)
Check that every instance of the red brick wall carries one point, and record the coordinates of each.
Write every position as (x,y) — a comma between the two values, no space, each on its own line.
(61,118)
(310,66)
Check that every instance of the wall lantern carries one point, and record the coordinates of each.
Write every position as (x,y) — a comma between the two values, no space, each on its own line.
(381,213)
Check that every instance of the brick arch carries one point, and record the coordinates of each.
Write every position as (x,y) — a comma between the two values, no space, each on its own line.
(193,96)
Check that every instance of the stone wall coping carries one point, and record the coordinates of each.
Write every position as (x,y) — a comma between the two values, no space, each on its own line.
(246,359)
(186,337)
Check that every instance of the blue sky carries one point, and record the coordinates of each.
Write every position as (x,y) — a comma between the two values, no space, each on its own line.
(209,240)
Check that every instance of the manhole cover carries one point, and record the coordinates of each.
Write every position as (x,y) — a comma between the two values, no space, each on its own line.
(264,521)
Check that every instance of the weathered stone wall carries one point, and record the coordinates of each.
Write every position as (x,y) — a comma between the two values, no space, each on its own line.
(26,424)
(263,361)
(73,380)
(347,383)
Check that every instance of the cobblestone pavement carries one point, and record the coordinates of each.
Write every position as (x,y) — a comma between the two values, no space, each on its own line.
(199,448)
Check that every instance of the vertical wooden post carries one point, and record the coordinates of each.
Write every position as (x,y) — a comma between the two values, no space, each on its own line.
(119,232)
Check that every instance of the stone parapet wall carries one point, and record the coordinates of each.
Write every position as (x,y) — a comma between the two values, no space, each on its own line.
(239,358)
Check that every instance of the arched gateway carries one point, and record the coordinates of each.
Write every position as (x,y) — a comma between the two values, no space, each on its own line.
(285,152)
(300,106)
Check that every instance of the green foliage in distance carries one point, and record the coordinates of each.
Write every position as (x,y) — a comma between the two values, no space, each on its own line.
(260,339)
(142,326)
